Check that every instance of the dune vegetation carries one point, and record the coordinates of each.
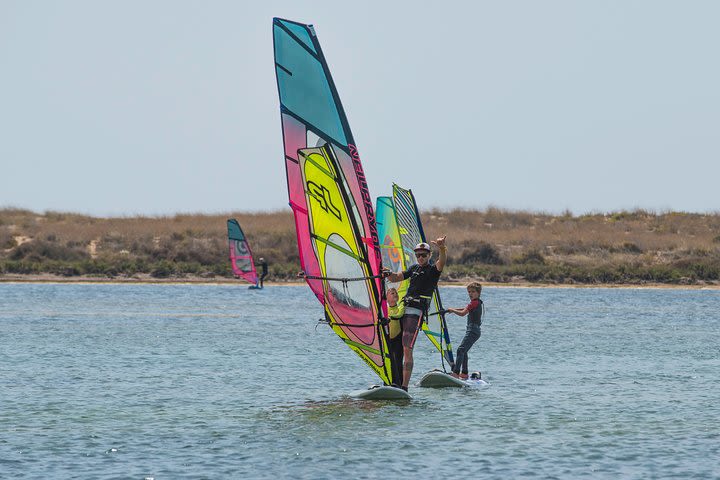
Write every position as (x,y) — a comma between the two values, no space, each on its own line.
(492,245)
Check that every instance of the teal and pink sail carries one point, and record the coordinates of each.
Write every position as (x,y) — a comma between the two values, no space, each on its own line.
(241,259)
(328,194)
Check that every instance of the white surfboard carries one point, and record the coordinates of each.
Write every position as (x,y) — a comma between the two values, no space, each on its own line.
(382,392)
(440,379)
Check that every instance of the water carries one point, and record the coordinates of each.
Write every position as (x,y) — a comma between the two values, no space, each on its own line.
(205,381)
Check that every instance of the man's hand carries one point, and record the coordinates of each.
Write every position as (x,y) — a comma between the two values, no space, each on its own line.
(442,258)
(440,242)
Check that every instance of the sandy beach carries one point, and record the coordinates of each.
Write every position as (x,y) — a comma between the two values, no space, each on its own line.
(141,279)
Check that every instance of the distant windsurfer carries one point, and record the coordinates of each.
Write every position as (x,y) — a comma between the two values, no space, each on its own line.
(474,311)
(423,280)
(263,271)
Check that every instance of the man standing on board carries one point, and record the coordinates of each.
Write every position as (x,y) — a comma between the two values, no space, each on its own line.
(423,280)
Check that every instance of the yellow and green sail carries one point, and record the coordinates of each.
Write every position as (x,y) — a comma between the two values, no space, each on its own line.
(400,229)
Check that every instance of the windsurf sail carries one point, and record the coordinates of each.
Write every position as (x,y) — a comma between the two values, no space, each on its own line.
(390,243)
(240,254)
(410,233)
(334,218)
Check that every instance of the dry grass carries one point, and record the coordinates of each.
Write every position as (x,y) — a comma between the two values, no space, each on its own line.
(585,236)
(481,242)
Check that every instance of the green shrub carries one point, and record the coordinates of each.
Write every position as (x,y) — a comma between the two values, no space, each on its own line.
(630,247)
(482,253)
(531,257)
(162,269)
(21,267)
(39,250)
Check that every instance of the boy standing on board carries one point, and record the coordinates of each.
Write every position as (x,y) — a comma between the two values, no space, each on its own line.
(474,310)
(395,313)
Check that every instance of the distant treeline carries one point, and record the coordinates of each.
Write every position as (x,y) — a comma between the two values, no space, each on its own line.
(628,247)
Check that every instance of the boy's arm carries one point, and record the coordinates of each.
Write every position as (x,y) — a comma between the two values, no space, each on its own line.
(394,277)
(468,308)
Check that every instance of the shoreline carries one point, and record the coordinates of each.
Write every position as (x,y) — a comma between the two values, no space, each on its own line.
(147,280)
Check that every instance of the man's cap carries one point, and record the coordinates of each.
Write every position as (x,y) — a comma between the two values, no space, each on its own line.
(422,246)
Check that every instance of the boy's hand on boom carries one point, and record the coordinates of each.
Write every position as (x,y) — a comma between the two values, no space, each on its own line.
(301,274)
(386,272)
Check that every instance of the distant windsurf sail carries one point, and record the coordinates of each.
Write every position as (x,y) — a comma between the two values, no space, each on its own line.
(410,230)
(334,218)
(240,254)
(241,259)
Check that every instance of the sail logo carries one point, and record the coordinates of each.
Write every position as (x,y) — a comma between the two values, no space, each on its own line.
(322,195)
(393,252)
(241,247)
(367,201)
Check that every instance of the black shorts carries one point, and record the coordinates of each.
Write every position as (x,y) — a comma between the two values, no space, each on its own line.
(410,328)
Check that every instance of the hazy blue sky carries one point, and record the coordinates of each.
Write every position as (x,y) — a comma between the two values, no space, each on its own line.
(158,107)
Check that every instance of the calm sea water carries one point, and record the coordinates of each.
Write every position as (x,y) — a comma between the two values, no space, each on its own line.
(205,381)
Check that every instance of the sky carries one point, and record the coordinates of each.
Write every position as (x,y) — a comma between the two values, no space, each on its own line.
(164,107)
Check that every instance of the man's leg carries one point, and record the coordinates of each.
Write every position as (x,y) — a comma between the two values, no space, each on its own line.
(410,327)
